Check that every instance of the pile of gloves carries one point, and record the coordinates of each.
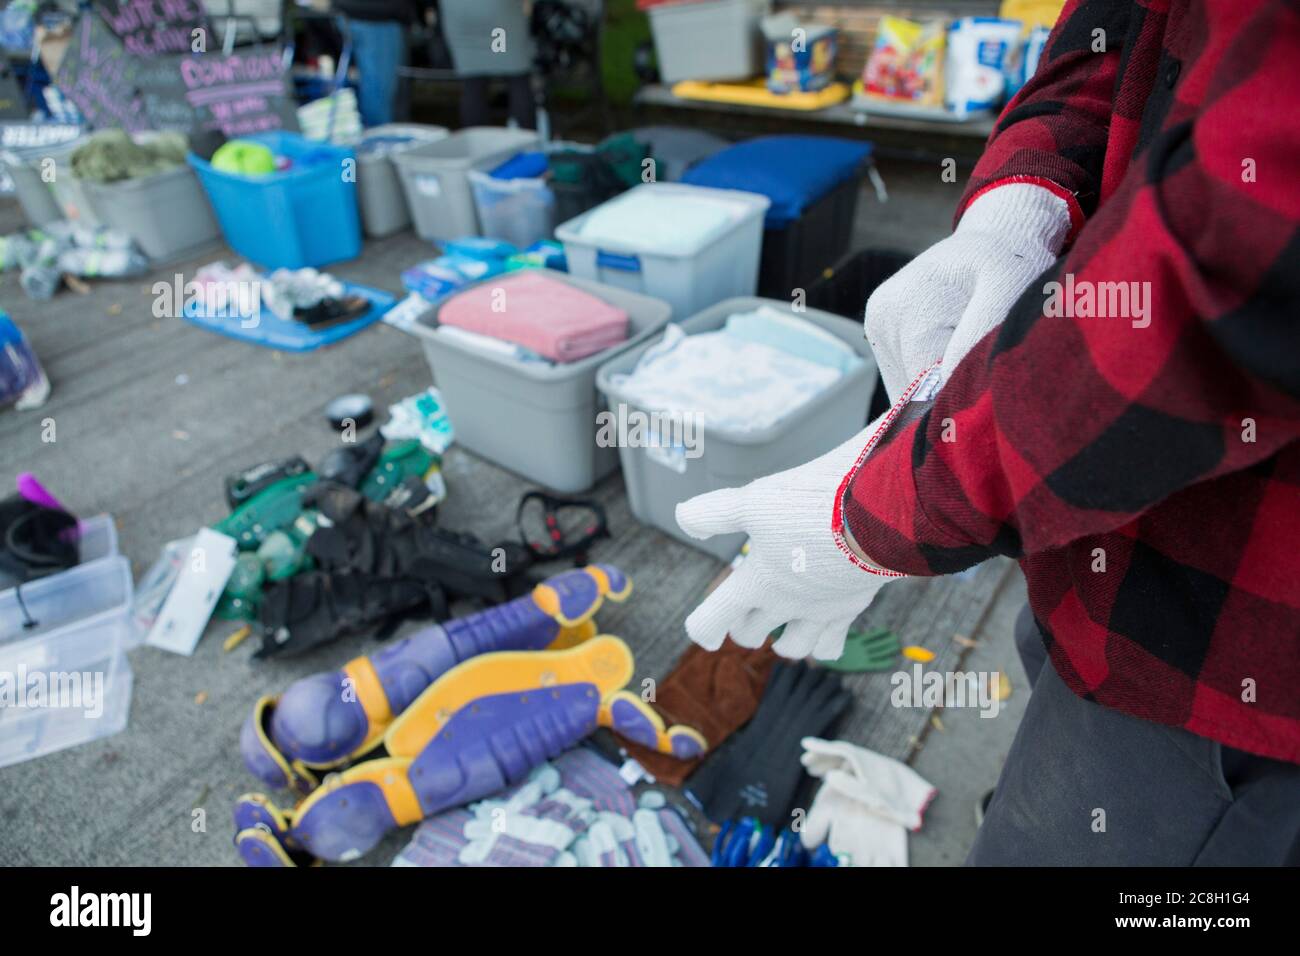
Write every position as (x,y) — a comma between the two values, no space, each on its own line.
(304,295)
(866,804)
(45,255)
(861,815)
(573,811)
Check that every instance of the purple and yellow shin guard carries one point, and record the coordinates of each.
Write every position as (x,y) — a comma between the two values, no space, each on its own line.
(629,716)
(326,720)
(480,727)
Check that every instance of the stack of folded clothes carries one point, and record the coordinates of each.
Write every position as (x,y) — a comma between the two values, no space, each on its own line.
(762,366)
(532,311)
(671,224)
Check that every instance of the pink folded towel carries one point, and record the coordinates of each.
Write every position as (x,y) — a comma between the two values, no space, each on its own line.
(548,316)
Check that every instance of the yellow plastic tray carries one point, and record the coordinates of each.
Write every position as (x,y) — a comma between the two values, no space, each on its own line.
(755,93)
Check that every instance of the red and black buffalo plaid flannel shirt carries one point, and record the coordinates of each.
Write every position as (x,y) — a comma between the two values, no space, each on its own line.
(1168,452)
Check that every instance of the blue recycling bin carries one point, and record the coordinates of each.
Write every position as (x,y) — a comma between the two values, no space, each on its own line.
(305,215)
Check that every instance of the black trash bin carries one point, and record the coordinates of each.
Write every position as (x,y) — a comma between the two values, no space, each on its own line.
(844,288)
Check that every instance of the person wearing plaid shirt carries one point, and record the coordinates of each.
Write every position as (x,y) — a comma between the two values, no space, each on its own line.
(1097,374)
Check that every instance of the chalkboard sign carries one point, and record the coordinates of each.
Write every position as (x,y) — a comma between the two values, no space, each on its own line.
(97,74)
(162,96)
(247,92)
(153,27)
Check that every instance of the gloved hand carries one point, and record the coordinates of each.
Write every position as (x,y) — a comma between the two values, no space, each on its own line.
(944,301)
(799,571)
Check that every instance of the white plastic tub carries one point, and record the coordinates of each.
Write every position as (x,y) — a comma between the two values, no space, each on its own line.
(692,278)
(658,479)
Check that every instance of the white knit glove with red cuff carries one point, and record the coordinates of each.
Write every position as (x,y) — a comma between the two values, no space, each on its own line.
(944,301)
(799,571)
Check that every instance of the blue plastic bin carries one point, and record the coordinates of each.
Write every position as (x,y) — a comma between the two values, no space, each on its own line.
(303,216)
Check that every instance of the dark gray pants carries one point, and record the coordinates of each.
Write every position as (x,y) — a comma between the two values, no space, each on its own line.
(1084,785)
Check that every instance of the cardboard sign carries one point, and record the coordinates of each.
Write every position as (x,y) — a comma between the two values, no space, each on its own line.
(97,75)
(153,27)
(247,92)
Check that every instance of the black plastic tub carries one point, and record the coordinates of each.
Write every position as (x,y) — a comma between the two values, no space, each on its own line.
(795,255)
(843,289)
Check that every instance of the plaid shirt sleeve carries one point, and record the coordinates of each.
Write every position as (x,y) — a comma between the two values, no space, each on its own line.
(1054,132)
(1062,425)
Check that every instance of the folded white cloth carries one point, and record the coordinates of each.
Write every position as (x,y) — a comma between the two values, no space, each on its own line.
(667,223)
(723,381)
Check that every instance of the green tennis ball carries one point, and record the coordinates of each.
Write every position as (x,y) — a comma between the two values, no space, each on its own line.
(244,157)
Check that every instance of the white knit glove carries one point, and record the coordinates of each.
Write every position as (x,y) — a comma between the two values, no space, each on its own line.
(865,839)
(798,572)
(866,804)
(949,297)
(886,787)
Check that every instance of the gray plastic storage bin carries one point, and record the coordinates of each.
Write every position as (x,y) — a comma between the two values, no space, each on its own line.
(434,177)
(677,148)
(537,420)
(77,645)
(37,197)
(657,481)
(708,39)
(73,196)
(167,214)
(691,280)
(379,188)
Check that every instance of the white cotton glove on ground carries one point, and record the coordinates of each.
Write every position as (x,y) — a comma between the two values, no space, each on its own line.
(944,301)
(796,573)
(866,804)
(859,838)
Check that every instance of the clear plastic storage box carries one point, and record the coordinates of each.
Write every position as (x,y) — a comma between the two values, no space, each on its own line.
(64,676)
(693,277)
